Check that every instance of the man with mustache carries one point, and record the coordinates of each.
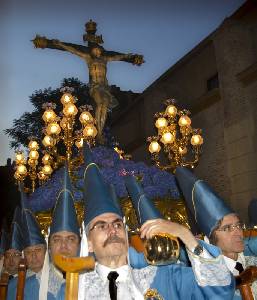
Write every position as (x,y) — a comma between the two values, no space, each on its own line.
(223,228)
(114,278)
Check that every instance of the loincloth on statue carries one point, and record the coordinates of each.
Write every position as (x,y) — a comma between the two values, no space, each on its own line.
(104,92)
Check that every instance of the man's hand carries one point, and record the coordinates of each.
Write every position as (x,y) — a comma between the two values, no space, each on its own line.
(152,227)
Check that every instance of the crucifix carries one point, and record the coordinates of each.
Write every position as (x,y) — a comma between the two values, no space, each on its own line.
(96,58)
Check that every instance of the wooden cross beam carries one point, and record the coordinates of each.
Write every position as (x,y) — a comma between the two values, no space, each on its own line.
(73,266)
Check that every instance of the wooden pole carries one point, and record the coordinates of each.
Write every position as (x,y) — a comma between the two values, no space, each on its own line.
(73,266)
(4,285)
(244,282)
(246,292)
(21,280)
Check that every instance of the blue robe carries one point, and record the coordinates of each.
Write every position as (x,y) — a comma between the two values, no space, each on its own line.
(11,292)
(12,286)
(31,290)
(173,282)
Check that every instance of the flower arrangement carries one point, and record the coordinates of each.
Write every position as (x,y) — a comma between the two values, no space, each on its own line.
(155,182)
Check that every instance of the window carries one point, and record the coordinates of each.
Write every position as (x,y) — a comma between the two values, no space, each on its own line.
(213,82)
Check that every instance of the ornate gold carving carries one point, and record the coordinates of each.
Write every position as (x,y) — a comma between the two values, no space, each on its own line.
(173,210)
(44,218)
(152,294)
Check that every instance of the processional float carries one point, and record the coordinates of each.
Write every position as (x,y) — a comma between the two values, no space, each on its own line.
(181,145)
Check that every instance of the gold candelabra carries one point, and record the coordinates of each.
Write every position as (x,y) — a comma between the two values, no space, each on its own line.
(57,129)
(29,167)
(62,128)
(181,143)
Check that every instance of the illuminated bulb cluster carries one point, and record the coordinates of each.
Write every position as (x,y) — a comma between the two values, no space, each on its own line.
(176,135)
(21,170)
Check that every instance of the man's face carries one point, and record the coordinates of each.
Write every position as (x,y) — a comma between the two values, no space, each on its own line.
(230,241)
(65,243)
(107,237)
(34,256)
(11,261)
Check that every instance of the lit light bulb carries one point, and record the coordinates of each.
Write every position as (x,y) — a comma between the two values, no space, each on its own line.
(154,147)
(49,116)
(167,138)
(22,170)
(196,139)
(33,145)
(19,157)
(32,162)
(47,170)
(86,117)
(171,110)
(70,110)
(48,141)
(161,122)
(53,128)
(46,158)
(90,131)
(33,155)
(184,120)
(67,98)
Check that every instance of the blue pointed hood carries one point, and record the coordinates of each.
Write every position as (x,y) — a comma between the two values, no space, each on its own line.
(143,206)
(4,241)
(16,236)
(115,199)
(97,195)
(64,216)
(31,228)
(206,206)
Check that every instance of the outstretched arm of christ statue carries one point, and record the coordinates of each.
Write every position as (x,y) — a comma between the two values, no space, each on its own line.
(135,59)
(42,42)
(84,52)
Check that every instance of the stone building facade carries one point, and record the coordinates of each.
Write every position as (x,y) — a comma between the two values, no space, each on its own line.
(217,82)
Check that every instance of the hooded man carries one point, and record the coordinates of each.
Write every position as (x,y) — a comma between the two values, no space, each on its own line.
(33,243)
(64,238)
(221,225)
(114,278)
(15,245)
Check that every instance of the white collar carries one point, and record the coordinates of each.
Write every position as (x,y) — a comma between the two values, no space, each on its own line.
(123,271)
(231,263)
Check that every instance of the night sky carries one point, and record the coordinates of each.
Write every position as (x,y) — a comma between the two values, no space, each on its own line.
(163,31)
